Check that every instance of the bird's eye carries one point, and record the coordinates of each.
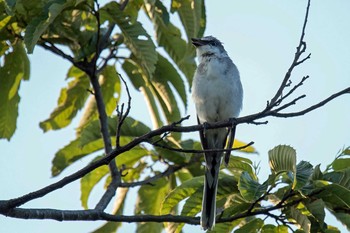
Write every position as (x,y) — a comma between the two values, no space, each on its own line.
(212,43)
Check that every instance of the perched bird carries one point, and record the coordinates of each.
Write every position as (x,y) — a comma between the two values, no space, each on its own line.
(217,94)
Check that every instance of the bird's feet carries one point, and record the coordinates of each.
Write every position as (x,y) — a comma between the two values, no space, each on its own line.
(205,128)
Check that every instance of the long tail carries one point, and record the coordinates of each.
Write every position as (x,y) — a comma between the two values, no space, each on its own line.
(210,189)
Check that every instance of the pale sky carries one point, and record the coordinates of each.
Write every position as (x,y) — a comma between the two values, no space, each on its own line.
(260,36)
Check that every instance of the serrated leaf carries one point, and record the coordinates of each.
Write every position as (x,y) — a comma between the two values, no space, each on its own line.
(169,37)
(71,100)
(149,202)
(249,188)
(282,158)
(136,37)
(12,72)
(252,226)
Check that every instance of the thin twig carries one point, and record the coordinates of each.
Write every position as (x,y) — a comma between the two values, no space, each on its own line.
(121,116)
(300,50)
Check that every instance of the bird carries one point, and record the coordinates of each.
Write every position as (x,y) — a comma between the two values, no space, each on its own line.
(217,94)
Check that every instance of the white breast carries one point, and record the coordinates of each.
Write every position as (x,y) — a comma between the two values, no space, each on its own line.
(217,90)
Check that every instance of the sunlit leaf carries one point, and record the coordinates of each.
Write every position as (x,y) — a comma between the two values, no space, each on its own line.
(249,149)
(12,72)
(71,100)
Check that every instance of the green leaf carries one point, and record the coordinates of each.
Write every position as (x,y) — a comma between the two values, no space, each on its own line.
(166,73)
(130,128)
(89,181)
(335,196)
(227,186)
(192,16)
(12,72)
(303,174)
(138,80)
(111,90)
(169,37)
(340,164)
(237,165)
(71,153)
(181,192)
(136,37)
(300,218)
(149,202)
(282,158)
(340,177)
(39,24)
(269,228)
(316,208)
(249,188)
(252,226)
(71,100)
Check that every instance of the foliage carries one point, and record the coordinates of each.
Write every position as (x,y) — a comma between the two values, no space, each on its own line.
(94,39)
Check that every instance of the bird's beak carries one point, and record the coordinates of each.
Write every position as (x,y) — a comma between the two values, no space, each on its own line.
(198,42)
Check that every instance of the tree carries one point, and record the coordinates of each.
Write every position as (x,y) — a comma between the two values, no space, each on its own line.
(78,32)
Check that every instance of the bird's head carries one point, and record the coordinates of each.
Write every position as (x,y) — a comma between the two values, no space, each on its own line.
(208,46)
